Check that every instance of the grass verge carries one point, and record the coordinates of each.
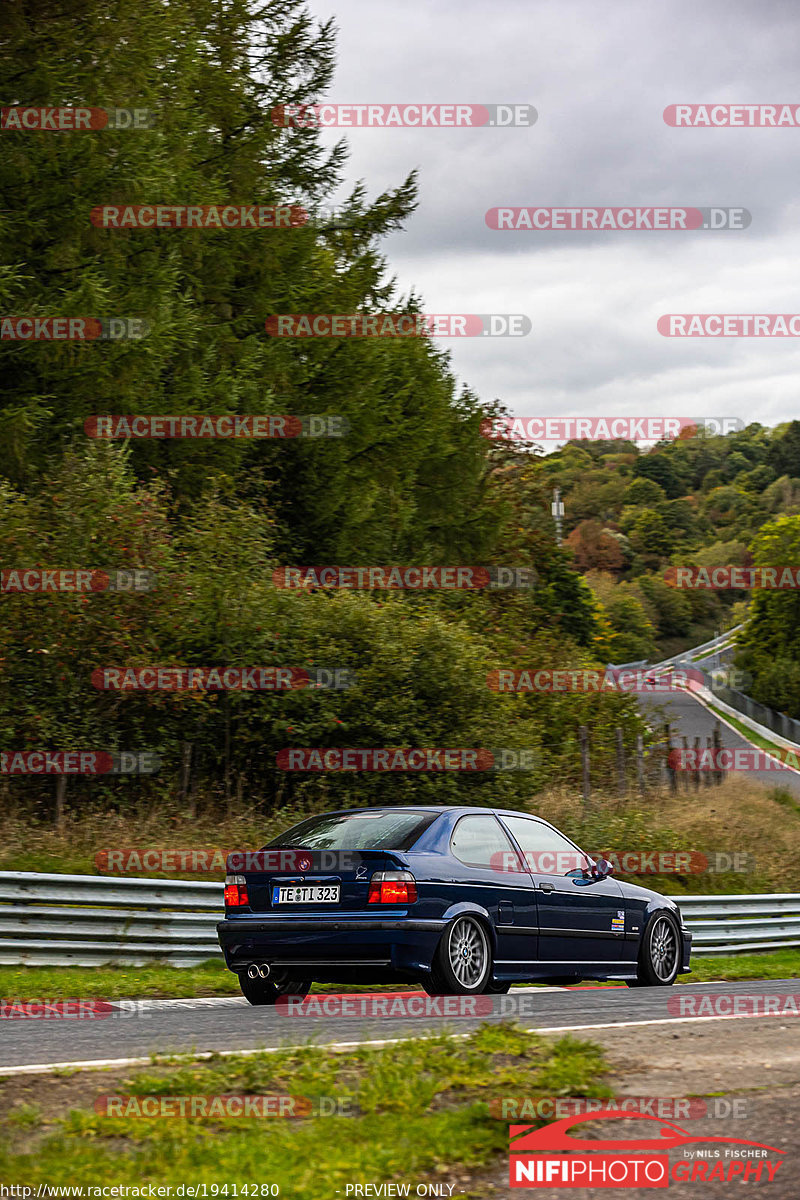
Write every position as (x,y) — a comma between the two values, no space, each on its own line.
(773,964)
(411,1112)
(747,733)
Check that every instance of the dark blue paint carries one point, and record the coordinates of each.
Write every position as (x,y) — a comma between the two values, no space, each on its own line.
(534,934)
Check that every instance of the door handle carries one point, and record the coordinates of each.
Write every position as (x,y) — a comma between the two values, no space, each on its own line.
(547,887)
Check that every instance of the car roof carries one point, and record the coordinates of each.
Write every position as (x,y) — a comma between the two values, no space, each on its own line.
(428,808)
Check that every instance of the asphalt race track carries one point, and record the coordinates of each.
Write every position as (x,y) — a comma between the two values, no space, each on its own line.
(690,719)
(138,1029)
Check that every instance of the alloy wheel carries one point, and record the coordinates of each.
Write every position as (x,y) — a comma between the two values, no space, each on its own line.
(663,948)
(468,952)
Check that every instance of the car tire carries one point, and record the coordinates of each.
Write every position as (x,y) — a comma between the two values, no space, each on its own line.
(462,964)
(268,991)
(659,952)
(496,989)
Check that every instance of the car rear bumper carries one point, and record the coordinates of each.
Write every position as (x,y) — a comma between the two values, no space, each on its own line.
(323,944)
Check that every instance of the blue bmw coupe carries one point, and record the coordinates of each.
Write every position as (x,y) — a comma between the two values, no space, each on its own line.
(463,900)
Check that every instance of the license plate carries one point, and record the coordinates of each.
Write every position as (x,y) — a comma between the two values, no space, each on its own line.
(306,893)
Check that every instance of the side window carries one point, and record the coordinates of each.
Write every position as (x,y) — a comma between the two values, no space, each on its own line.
(481,841)
(546,851)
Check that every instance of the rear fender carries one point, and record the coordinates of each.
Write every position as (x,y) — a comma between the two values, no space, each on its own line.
(465,908)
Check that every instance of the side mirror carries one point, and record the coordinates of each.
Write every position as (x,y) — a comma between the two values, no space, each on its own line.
(602,868)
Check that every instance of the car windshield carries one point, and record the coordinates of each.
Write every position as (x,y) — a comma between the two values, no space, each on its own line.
(390,830)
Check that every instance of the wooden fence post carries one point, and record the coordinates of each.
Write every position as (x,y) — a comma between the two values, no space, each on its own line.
(61,793)
(583,734)
(621,780)
(707,775)
(719,774)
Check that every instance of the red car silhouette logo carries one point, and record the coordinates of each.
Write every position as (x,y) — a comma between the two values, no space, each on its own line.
(549,1138)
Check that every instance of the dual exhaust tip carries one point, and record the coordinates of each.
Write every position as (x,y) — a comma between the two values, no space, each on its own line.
(258,971)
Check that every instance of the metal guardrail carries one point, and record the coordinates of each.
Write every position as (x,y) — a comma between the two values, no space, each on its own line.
(785,726)
(777,722)
(692,652)
(738,924)
(91,920)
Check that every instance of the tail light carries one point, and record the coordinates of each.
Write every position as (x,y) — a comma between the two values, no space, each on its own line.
(236,891)
(392,887)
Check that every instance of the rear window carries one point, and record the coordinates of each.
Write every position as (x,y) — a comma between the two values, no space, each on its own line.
(356,831)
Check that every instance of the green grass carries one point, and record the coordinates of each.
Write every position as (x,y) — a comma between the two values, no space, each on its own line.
(749,734)
(415,1110)
(786,799)
(212,979)
(772,964)
(118,982)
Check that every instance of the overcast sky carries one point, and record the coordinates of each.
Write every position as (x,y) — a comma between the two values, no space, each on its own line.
(599,73)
